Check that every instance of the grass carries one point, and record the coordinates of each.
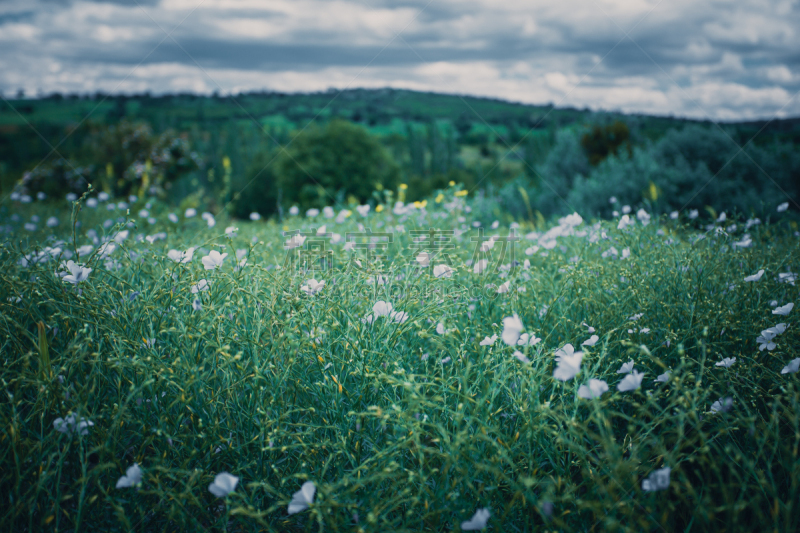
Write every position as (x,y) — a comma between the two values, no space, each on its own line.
(279,388)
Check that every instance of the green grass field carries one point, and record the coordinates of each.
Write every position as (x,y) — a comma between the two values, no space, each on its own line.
(402,419)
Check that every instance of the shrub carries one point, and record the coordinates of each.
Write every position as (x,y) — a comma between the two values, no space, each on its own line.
(604,141)
(257,190)
(138,158)
(56,178)
(322,165)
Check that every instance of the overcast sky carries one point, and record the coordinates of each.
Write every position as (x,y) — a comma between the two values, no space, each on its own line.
(716,59)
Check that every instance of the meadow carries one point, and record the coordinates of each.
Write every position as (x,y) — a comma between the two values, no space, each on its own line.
(396,367)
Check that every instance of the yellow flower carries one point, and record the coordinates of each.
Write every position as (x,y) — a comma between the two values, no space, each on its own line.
(379,208)
(403,186)
(452,183)
(462,193)
(439,198)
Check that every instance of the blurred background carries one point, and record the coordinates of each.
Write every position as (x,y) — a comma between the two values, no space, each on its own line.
(537,109)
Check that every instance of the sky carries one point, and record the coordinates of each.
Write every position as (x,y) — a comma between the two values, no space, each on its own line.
(719,60)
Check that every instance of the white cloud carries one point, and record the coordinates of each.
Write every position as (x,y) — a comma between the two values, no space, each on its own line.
(726,59)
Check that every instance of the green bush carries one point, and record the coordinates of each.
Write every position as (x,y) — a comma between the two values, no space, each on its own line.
(323,165)
(257,190)
(135,158)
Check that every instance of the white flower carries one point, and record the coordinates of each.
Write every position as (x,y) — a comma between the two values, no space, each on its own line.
(197,305)
(503,288)
(328,212)
(643,216)
(783,207)
(132,477)
(478,520)
(528,339)
(626,253)
(302,498)
(190,212)
(489,341)
(521,356)
(626,368)
(77,273)
(295,242)
(783,310)
(173,218)
(106,249)
(224,484)
(658,480)
(693,214)
(398,316)
(569,365)
(440,328)
(382,308)
(255,216)
(480,265)
(608,253)
(723,404)
(674,215)
(566,350)
(787,277)
(727,362)
(631,381)
(662,378)
(312,287)
(181,257)
(589,329)
(201,285)
(591,341)
(311,213)
(231,231)
(363,210)
(52,222)
(72,424)
(765,340)
(423,258)
(722,217)
(756,276)
(624,222)
(792,367)
(512,327)
(442,271)
(594,389)
(294,210)
(213,260)
(487,245)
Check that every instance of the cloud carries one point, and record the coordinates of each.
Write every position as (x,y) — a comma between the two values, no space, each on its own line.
(720,59)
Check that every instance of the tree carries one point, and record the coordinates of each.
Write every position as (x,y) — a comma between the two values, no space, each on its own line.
(324,165)
(603,141)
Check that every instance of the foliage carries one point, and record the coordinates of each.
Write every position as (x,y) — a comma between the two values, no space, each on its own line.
(257,190)
(56,178)
(402,425)
(603,141)
(138,158)
(332,163)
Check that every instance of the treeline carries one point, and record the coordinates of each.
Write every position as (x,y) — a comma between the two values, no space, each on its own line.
(265,152)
